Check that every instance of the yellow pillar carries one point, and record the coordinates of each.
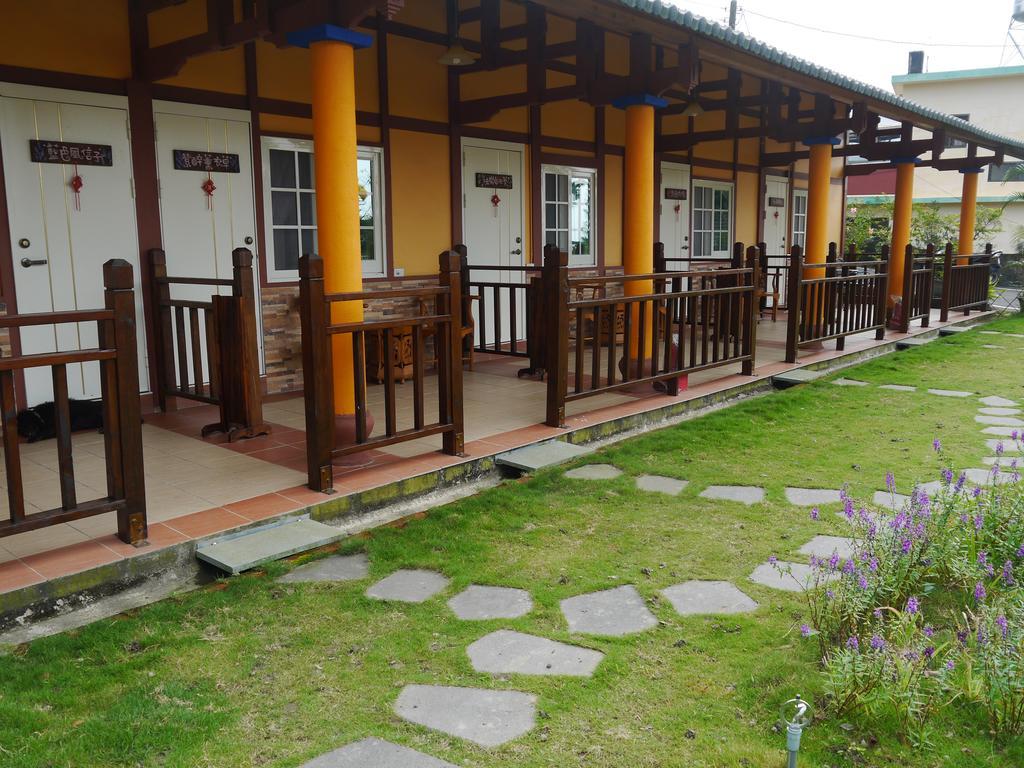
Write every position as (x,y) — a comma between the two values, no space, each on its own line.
(332,53)
(968,211)
(818,192)
(638,224)
(903,207)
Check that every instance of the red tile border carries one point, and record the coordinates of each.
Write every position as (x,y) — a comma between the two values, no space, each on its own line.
(262,507)
(14,574)
(70,559)
(209,521)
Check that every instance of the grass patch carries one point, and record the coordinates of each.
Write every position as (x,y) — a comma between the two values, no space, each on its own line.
(248,672)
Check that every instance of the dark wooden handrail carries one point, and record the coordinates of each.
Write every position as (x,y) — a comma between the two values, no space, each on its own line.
(228,374)
(503,308)
(117,356)
(918,276)
(965,281)
(393,293)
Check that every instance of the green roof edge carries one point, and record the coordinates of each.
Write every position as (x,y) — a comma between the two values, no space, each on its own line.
(958,74)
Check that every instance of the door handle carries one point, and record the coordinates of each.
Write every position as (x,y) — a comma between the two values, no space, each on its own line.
(27,262)
(684,247)
(517,252)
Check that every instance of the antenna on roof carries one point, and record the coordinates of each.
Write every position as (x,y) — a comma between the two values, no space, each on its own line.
(733,7)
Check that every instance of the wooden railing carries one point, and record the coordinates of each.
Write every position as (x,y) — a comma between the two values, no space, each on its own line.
(918,276)
(318,334)
(227,374)
(504,309)
(116,354)
(834,300)
(965,282)
(722,301)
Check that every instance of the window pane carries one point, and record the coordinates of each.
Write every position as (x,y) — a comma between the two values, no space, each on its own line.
(563,241)
(286,249)
(308,244)
(284,212)
(563,188)
(563,216)
(367,244)
(551,237)
(550,215)
(305,170)
(282,168)
(307,208)
(366,203)
(550,181)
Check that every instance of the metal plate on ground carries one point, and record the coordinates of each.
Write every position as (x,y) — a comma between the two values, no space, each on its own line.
(533,457)
(246,549)
(795,377)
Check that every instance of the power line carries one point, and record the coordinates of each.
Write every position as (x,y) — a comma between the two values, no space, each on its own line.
(928,44)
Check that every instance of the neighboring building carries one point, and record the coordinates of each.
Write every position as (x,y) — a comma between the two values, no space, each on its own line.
(992,97)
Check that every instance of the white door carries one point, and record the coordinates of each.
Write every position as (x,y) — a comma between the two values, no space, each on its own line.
(776,215)
(492,223)
(61,239)
(675,214)
(201,229)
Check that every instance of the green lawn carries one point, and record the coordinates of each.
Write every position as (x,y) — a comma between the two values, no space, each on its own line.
(247,672)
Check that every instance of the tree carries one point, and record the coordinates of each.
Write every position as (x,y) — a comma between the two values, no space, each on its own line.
(1016,173)
(869,227)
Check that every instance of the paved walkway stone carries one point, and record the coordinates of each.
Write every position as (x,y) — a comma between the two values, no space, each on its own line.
(998,402)
(1008,446)
(375,753)
(1003,461)
(949,393)
(893,501)
(826,546)
(476,603)
(808,497)
(745,494)
(336,568)
(981,476)
(1001,431)
(1000,411)
(992,346)
(509,653)
(799,578)
(849,383)
(1001,421)
(898,387)
(594,472)
(408,586)
(708,597)
(659,484)
(616,612)
(487,718)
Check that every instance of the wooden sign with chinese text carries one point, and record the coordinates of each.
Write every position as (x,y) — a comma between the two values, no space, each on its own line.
(70,153)
(208,162)
(494,181)
(675,193)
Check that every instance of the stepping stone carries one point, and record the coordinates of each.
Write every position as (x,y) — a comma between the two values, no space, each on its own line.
(799,579)
(991,346)
(659,484)
(594,472)
(375,753)
(530,458)
(708,597)
(992,333)
(893,501)
(335,568)
(476,603)
(898,387)
(1001,431)
(795,377)
(408,586)
(998,402)
(949,393)
(1000,411)
(952,330)
(745,494)
(849,383)
(487,718)
(513,653)
(614,612)
(1001,421)
(240,551)
(911,343)
(1004,462)
(1008,446)
(808,497)
(980,476)
(826,546)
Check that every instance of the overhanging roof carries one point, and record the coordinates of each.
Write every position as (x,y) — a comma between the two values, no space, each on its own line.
(853,90)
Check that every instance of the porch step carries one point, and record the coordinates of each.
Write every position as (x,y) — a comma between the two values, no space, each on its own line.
(912,342)
(795,377)
(241,551)
(530,458)
(952,330)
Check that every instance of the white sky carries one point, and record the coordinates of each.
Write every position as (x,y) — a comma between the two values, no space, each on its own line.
(929,25)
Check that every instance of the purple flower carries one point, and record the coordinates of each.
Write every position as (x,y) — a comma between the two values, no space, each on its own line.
(814,513)
(833,562)
(772,560)
(982,637)
(1020,551)
(849,567)
(960,482)
(853,643)
(878,613)
(1003,625)
(982,558)
(906,545)
(947,476)
(1008,573)
(805,630)
(830,594)
(936,445)
(862,582)
(995,470)
(1015,435)
(961,635)
(890,481)
(950,665)
(877,643)
(928,631)
(976,491)
(913,606)
(848,509)
(979,520)
(873,565)
(929,651)
(979,592)
(1000,448)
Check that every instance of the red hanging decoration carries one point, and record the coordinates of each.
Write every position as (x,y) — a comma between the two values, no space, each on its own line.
(208,188)
(76,185)
(677,208)
(494,201)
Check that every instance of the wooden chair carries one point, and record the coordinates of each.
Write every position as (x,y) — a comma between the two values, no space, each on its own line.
(468,330)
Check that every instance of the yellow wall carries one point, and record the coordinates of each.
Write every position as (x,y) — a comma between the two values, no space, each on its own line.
(613,211)
(748,192)
(420,194)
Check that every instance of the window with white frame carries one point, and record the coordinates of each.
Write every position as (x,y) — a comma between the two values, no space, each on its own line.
(290,206)
(569,206)
(799,217)
(712,219)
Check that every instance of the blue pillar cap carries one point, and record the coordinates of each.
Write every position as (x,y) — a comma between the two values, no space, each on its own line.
(640,98)
(303,38)
(904,160)
(978,169)
(833,140)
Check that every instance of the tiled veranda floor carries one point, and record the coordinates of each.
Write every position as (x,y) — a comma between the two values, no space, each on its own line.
(197,487)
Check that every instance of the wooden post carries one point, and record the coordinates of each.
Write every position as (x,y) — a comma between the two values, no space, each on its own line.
(926,286)
(882,295)
(753,310)
(556,300)
(907,289)
(317,367)
(947,282)
(660,267)
(450,384)
(163,335)
(794,302)
(120,378)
